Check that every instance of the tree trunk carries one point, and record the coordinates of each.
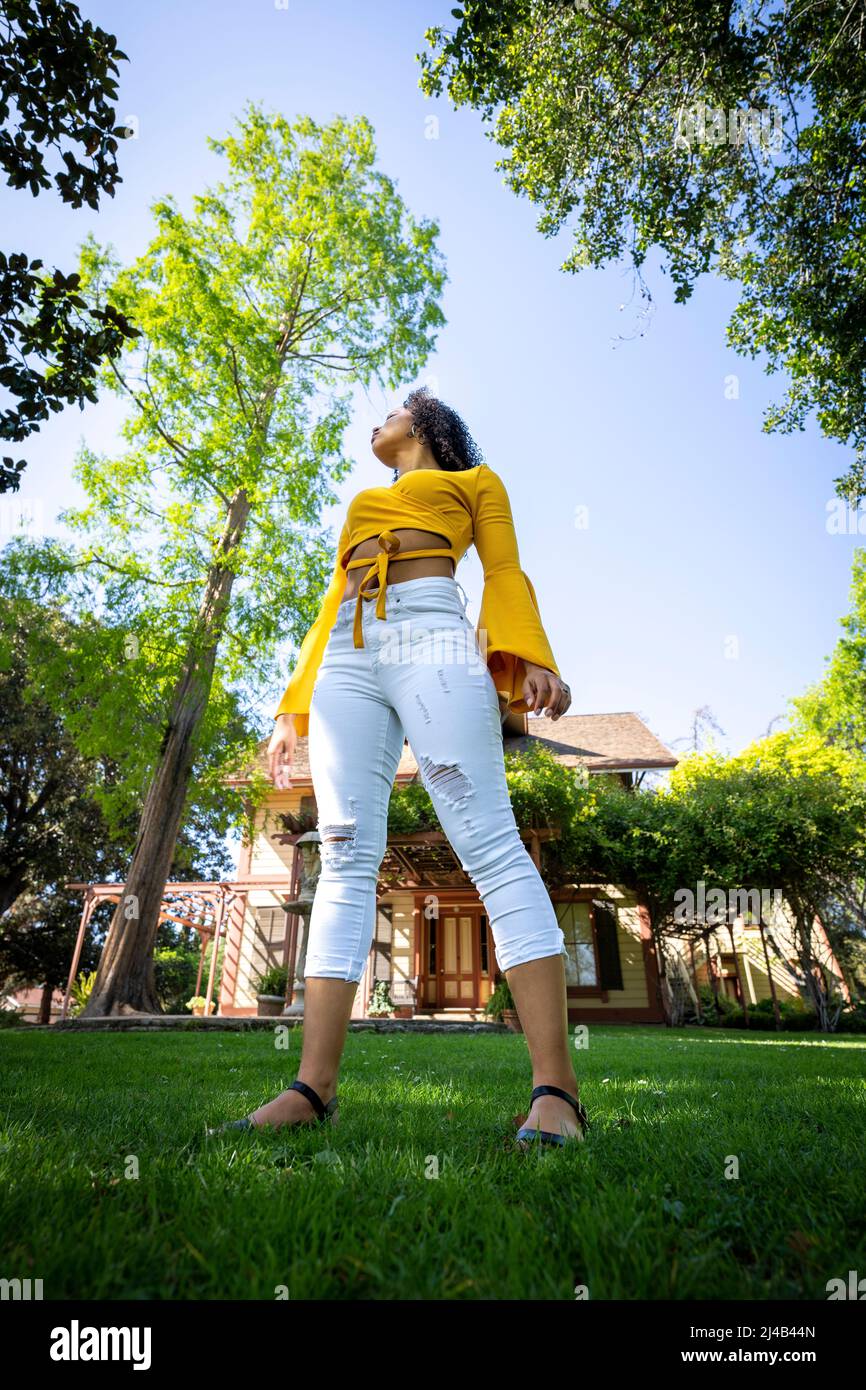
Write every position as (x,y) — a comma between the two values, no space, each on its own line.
(776,1013)
(663,987)
(12,885)
(45,1004)
(125,978)
(697,988)
(804,918)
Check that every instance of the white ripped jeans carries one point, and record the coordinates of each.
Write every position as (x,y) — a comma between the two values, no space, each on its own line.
(420,673)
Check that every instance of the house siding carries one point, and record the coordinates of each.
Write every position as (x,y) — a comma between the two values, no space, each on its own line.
(249,944)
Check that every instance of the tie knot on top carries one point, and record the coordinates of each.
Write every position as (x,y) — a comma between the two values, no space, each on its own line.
(389,542)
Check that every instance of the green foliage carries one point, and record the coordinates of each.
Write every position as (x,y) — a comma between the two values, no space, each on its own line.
(57,77)
(82,678)
(274,981)
(175,970)
(853,1019)
(717,1010)
(381,1002)
(598,110)
(199,1001)
(789,811)
(726,1013)
(80,992)
(410,810)
(786,814)
(544,795)
(835,707)
(500,999)
(51,825)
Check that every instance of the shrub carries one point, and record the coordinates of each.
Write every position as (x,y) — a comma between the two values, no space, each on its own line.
(796,1017)
(380,1000)
(175,971)
(500,999)
(853,1019)
(81,991)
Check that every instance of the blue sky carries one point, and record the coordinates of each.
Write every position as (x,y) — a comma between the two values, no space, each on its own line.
(706,574)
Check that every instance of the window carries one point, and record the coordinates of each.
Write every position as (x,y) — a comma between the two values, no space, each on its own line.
(576,923)
(270,934)
(485,952)
(382,941)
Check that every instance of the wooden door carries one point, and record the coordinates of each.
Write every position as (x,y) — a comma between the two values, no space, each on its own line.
(457,931)
(458,958)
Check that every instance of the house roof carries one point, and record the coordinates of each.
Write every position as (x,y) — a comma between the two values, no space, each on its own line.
(599,742)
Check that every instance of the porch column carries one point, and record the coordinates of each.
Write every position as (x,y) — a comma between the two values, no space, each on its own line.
(221,907)
(204,940)
(79,942)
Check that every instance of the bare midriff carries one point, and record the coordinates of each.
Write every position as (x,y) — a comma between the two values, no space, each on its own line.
(399,570)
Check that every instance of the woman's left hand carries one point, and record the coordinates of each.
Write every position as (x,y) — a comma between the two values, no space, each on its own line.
(542,688)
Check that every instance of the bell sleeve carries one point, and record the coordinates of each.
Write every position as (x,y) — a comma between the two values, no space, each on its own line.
(296,699)
(509,621)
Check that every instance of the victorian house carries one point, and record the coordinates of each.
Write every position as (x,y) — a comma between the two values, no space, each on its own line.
(432,945)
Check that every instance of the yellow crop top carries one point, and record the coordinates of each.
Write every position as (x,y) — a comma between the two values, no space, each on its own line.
(465,506)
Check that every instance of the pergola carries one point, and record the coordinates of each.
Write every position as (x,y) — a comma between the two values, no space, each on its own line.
(200,905)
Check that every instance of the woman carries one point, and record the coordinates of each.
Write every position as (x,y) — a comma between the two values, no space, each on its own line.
(370,673)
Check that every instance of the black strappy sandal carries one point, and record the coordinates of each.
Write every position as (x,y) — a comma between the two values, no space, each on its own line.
(325,1112)
(527,1134)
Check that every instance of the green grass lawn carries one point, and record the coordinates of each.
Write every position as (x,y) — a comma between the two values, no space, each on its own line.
(104,1197)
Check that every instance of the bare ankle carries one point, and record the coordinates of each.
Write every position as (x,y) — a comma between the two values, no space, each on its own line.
(565,1081)
(321,1082)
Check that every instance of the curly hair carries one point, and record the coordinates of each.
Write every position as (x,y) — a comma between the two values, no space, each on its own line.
(443,431)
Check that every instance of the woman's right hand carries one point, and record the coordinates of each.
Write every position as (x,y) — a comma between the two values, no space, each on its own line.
(281,751)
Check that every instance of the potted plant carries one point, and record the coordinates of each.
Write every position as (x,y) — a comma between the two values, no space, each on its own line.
(272,988)
(197,1004)
(381,1002)
(500,1006)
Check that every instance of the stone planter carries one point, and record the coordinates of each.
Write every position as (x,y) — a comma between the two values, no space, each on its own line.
(511,1020)
(403,1011)
(270,1005)
(198,1009)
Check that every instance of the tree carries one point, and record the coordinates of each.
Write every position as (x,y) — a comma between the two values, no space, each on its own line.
(48,818)
(835,706)
(79,734)
(731,138)
(295,280)
(835,709)
(56,81)
(64,816)
(646,842)
(787,814)
(704,725)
